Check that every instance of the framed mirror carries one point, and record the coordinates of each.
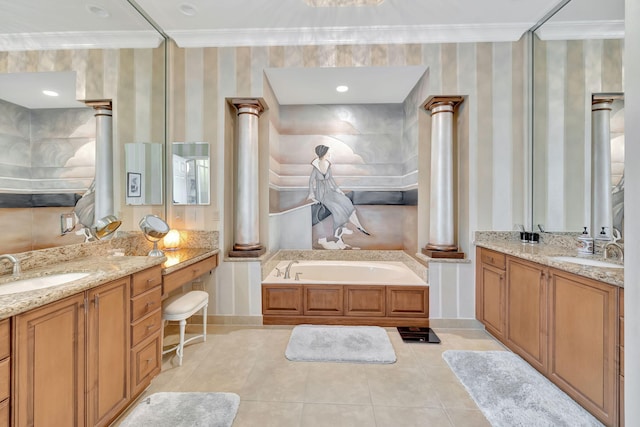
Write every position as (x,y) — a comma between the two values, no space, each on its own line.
(577,55)
(144,173)
(191,173)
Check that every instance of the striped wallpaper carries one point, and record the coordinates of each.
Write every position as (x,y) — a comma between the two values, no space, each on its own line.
(493,153)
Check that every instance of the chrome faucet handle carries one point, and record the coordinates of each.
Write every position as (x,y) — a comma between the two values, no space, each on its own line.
(298,275)
(278,272)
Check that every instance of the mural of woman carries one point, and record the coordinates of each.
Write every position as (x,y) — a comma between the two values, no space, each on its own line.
(323,189)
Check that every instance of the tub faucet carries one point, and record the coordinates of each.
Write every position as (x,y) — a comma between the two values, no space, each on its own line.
(15,261)
(287,274)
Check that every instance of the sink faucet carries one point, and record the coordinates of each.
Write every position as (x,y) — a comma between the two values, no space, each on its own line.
(287,275)
(616,247)
(15,261)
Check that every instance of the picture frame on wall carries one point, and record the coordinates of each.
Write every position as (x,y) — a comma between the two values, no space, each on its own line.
(134,184)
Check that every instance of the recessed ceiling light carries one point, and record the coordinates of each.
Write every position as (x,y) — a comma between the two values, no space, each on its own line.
(50,92)
(187,9)
(342,88)
(98,11)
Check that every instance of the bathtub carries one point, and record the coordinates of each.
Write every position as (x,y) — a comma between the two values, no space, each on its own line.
(346,272)
(382,293)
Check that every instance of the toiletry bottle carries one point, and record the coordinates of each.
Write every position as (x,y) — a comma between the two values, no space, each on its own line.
(586,243)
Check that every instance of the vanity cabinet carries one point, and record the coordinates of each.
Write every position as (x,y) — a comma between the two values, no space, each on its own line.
(526,311)
(569,327)
(292,304)
(491,290)
(69,349)
(146,328)
(5,372)
(621,357)
(583,326)
(81,360)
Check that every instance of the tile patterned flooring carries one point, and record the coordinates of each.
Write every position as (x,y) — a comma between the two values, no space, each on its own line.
(418,390)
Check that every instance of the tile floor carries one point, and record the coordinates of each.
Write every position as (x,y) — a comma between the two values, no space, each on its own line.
(418,390)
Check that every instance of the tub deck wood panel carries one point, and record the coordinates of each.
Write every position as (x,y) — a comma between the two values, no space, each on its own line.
(379,305)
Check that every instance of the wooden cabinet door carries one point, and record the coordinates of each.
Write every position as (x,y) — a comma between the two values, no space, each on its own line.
(583,322)
(49,370)
(526,323)
(282,299)
(364,300)
(493,297)
(323,300)
(408,301)
(108,351)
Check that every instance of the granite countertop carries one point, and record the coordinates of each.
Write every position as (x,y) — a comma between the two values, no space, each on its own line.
(543,253)
(176,260)
(102,269)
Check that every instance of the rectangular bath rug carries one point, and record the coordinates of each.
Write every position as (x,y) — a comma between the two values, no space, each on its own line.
(510,392)
(356,344)
(189,409)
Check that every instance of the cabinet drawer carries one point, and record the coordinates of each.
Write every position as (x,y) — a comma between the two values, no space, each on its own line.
(5,378)
(146,360)
(185,275)
(146,327)
(4,413)
(5,339)
(493,258)
(145,280)
(621,350)
(146,303)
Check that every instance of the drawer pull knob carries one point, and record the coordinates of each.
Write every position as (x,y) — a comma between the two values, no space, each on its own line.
(150,326)
(149,281)
(150,303)
(149,360)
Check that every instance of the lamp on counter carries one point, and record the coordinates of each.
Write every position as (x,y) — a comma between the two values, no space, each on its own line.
(154,229)
(172,240)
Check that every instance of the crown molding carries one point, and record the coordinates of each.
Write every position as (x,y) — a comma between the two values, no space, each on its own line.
(580,30)
(80,40)
(306,36)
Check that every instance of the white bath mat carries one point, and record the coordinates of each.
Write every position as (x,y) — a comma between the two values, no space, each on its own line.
(510,392)
(174,409)
(356,344)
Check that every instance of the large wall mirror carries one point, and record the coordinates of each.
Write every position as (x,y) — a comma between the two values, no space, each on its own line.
(107,52)
(577,63)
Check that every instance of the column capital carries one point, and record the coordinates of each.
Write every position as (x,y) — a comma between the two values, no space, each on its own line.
(99,104)
(256,105)
(440,100)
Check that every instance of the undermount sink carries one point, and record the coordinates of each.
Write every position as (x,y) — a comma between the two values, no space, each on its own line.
(587,261)
(25,285)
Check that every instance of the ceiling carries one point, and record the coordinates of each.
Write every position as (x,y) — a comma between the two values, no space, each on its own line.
(82,24)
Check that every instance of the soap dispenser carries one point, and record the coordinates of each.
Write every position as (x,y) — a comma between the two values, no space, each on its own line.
(586,243)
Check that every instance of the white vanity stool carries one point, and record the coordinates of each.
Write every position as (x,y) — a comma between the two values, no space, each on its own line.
(180,308)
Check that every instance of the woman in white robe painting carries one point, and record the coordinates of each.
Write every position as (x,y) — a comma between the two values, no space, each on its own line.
(323,189)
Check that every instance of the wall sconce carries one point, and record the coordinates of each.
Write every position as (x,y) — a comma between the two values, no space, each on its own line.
(172,240)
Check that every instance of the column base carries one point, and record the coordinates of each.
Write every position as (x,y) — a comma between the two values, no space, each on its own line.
(442,251)
(247,251)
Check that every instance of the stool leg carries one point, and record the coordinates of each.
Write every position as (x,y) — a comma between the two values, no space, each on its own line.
(179,350)
(204,323)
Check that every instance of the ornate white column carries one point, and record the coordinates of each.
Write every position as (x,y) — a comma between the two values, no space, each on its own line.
(442,242)
(601,190)
(247,227)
